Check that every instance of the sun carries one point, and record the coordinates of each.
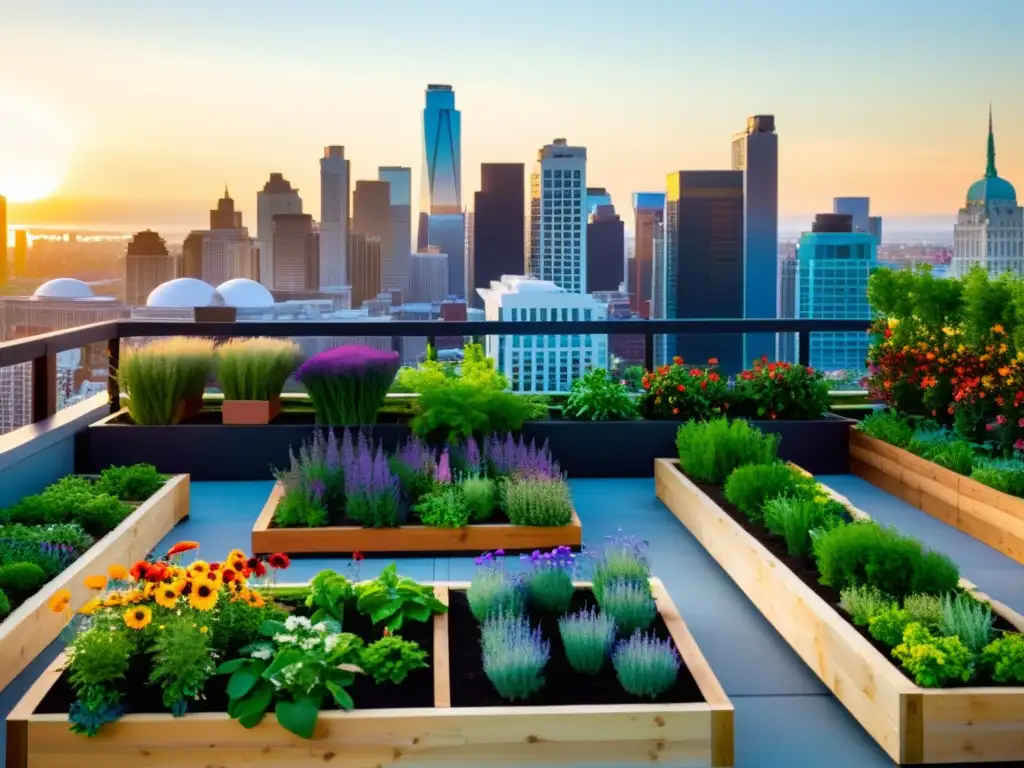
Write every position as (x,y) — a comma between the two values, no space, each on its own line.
(34,149)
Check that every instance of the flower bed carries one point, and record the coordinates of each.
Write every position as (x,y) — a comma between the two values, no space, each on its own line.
(394,685)
(929,670)
(78,524)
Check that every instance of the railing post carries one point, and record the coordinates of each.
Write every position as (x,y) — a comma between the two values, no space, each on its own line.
(44,387)
(113,363)
(648,350)
(803,347)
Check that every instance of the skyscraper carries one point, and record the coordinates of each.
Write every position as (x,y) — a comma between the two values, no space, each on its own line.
(3,241)
(428,277)
(334,194)
(395,270)
(364,267)
(857,208)
(447,233)
(597,196)
(147,264)
(296,253)
(224,216)
(755,151)
(648,216)
(704,261)
(606,238)
(20,253)
(442,156)
(558,219)
(498,236)
(372,216)
(277,196)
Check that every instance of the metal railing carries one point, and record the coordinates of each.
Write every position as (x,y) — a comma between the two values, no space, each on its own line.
(42,350)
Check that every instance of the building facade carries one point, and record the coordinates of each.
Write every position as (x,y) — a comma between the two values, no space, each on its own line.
(4,268)
(648,217)
(147,264)
(447,233)
(597,196)
(558,219)
(859,208)
(498,234)
(395,272)
(364,267)
(277,196)
(606,241)
(428,281)
(334,216)
(372,216)
(442,152)
(296,253)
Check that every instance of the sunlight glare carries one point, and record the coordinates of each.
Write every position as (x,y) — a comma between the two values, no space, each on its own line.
(34,149)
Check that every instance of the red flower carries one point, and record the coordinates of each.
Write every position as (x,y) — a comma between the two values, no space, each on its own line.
(228,575)
(681,388)
(156,573)
(214,566)
(253,562)
(713,376)
(712,361)
(695,371)
(704,384)
(279,560)
(139,570)
(259,570)
(357,556)
(182,546)
(677,360)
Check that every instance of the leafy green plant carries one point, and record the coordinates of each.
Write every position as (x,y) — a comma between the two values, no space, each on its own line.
(538,501)
(238,622)
(160,376)
(20,580)
(933,661)
(597,396)
(646,667)
(888,427)
(394,599)
(962,616)
(1004,658)
(444,507)
(329,592)
(493,591)
(924,609)
(101,514)
(796,520)
(514,656)
(782,391)
(887,625)
(956,456)
(182,662)
(750,486)
(481,496)
(1005,475)
(255,369)
(861,603)
(391,659)
(97,663)
(630,605)
(5,604)
(461,408)
(710,451)
(587,637)
(300,508)
(135,483)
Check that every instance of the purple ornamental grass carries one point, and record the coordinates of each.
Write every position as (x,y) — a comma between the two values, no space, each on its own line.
(515,457)
(348,384)
(444,468)
(474,460)
(371,489)
(416,455)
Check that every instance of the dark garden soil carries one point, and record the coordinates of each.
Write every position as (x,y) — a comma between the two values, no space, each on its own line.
(805,569)
(563,686)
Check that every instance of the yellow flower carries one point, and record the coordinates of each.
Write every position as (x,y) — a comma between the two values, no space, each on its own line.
(199,568)
(167,596)
(59,602)
(235,555)
(893,322)
(997,328)
(179,585)
(138,617)
(99,581)
(203,630)
(948,331)
(149,590)
(114,599)
(118,572)
(90,607)
(133,596)
(256,600)
(203,596)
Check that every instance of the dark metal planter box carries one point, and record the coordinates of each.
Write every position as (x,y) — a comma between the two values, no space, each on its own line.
(583,448)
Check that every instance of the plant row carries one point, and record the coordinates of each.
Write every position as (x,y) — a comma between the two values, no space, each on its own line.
(908,598)
(41,535)
(350,481)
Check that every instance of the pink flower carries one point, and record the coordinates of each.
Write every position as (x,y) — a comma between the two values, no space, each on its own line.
(1001,420)
(444,471)
(1019,445)
(1020,423)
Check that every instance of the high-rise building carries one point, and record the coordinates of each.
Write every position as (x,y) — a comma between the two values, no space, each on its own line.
(442,152)
(447,233)
(498,234)
(597,196)
(558,217)
(372,215)
(218,255)
(20,253)
(3,241)
(543,363)
(334,216)
(605,248)
(395,272)
(470,219)
(787,342)
(224,216)
(364,267)
(989,229)
(428,281)
(147,264)
(755,151)
(296,253)
(648,216)
(833,266)
(704,261)
(859,209)
(277,196)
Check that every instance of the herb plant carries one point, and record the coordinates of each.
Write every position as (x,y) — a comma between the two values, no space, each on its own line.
(182,662)
(888,427)
(924,609)
(394,599)
(97,662)
(597,396)
(887,625)
(962,616)
(933,661)
(646,667)
(587,637)
(481,497)
(548,580)
(514,656)
(795,519)
(710,451)
(160,376)
(862,603)
(630,604)
(444,507)
(1004,658)
(494,591)
(537,501)
(329,593)
(134,483)
(750,486)
(255,369)
(391,659)
(619,559)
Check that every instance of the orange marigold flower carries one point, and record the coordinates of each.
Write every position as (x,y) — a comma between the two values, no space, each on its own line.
(182,546)
(97,581)
(998,328)
(60,600)
(118,572)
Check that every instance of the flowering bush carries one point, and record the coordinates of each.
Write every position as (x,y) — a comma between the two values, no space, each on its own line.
(348,384)
(680,391)
(782,391)
(587,637)
(646,666)
(548,581)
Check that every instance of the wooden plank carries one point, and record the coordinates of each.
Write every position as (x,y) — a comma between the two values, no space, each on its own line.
(26,632)
(442,665)
(406,538)
(973,725)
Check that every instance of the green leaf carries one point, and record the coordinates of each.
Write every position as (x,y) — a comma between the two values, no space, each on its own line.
(252,720)
(241,682)
(256,703)
(298,716)
(284,658)
(417,612)
(269,628)
(340,695)
(231,666)
(386,610)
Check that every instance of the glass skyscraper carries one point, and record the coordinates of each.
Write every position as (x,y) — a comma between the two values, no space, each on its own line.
(442,144)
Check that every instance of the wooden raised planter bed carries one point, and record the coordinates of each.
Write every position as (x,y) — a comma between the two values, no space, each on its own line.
(629,734)
(993,518)
(913,725)
(29,629)
(406,538)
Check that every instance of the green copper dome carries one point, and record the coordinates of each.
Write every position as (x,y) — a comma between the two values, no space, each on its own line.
(991,188)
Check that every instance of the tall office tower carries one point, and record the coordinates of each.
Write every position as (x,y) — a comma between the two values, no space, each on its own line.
(364,267)
(648,216)
(989,229)
(498,235)
(3,241)
(296,253)
(833,266)
(447,233)
(755,151)
(444,226)
(875,228)
(334,194)
(147,264)
(224,251)
(277,196)
(372,215)
(20,253)
(606,241)
(558,217)
(704,261)
(543,363)
(428,281)
(597,196)
(224,216)
(395,273)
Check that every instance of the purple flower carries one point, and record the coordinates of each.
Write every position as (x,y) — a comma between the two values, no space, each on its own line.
(444,472)
(474,460)
(348,384)
(416,455)
(350,360)
(521,459)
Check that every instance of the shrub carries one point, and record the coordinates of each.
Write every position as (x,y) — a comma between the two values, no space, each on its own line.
(680,391)
(710,451)
(318,472)
(371,490)
(888,427)
(887,626)
(391,659)
(535,501)
(481,496)
(511,457)
(630,604)
(57,534)
(135,483)
(646,667)
(924,609)
(750,486)
(962,616)
(493,591)
(794,519)
(619,559)
(19,580)
(933,661)
(1004,658)
(587,637)
(782,391)
(52,558)
(300,509)
(444,507)
(957,456)
(255,369)
(348,384)
(160,376)
(548,581)
(1005,475)
(5,604)
(597,396)
(861,603)
(460,408)
(514,656)
(101,514)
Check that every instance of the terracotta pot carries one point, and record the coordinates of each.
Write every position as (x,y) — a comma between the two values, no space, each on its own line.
(250,411)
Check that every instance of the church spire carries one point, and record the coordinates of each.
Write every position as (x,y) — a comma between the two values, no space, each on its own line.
(228,197)
(990,169)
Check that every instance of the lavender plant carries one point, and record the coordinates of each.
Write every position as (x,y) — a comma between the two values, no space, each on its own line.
(371,490)
(314,483)
(514,656)
(646,667)
(414,464)
(619,558)
(348,384)
(587,637)
(630,604)
(514,457)
(548,580)
(538,501)
(494,591)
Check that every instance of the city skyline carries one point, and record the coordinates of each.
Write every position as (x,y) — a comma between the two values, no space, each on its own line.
(865,136)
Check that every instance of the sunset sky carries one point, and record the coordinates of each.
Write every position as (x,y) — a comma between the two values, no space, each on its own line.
(144,110)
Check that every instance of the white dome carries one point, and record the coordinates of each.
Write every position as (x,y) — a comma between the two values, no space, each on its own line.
(182,293)
(64,288)
(245,294)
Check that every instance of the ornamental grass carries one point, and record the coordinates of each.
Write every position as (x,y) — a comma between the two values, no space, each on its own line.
(255,369)
(160,376)
(348,384)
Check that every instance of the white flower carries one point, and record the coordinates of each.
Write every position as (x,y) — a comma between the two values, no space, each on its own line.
(262,653)
(329,642)
(284,639)
(320,627)
(294,622)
